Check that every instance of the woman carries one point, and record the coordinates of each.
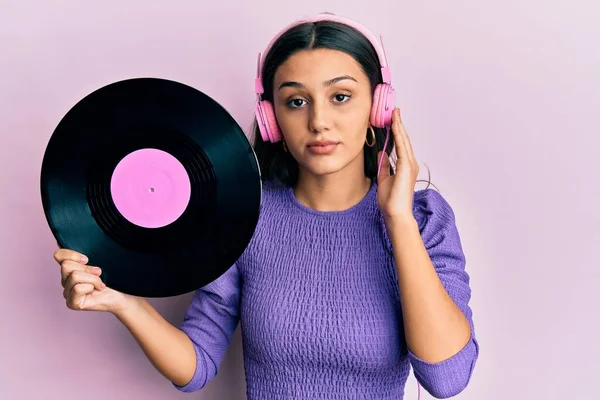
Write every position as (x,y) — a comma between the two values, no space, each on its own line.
(351,277)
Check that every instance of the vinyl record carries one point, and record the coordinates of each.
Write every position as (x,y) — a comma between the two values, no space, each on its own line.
(155,182)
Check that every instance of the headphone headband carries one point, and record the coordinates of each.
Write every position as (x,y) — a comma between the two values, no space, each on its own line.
(385,70)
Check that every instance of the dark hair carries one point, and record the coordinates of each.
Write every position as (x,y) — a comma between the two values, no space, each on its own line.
(275,163)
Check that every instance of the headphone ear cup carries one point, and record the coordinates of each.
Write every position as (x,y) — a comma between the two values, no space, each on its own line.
(261,120)
(271,122)
(384,100)
(267,123)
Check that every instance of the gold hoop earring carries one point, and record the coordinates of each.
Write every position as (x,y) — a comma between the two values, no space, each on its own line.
(373,141)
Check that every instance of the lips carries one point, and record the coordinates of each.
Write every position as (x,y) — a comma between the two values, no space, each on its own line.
(322,143)
(322,147)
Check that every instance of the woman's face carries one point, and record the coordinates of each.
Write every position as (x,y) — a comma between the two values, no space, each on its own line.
(322,102)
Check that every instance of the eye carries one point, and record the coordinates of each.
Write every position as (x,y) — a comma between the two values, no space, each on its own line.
(341,98)
(295,103)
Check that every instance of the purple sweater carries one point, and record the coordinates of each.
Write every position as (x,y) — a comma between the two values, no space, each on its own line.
(317,297)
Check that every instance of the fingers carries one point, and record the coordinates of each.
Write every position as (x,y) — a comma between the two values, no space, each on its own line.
(70,261)
(384,166)
(61,255)
(68,267)
(80,283)
(404,150)
(78,279)
(76,299)
(401,146)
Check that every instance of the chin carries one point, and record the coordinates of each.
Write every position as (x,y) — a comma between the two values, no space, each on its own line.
(323,166)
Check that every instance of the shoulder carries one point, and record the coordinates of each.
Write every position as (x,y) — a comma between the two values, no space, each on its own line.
(274,215)
(273,197)
(430,206)
(437,221)
(433,213)
(274,204)
(272,190)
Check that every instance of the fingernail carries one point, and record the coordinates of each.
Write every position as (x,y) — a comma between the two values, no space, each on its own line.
(84,259)
(97,270)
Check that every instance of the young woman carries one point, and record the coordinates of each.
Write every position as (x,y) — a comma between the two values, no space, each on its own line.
(352,276)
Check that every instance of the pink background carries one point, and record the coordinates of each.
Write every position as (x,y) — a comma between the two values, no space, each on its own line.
(500,99)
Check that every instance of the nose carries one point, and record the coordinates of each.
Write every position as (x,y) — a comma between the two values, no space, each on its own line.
(319,117)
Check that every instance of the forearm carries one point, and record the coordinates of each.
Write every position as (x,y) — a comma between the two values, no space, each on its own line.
(168,348)
(435,328)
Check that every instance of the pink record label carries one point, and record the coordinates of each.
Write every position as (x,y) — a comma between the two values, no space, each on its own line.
(150,188)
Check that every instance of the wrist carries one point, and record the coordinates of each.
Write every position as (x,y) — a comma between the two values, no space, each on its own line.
(127,307)
(400,223)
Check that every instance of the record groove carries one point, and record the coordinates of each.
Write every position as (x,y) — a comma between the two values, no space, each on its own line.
(128,116)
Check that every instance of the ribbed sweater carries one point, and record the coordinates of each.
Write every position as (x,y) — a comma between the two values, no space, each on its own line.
(318,300)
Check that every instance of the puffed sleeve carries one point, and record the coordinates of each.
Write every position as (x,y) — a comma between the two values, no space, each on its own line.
(210,321)
(440,235)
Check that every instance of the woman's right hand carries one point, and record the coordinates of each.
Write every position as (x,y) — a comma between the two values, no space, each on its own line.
(83,288)
(168,348)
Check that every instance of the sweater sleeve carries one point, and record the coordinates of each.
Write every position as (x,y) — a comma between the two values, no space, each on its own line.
(436,221)
(210,321)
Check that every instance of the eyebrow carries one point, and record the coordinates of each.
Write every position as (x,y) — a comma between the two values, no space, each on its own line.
(326,83)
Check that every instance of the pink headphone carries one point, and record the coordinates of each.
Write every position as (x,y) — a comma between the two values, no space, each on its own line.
(383,99)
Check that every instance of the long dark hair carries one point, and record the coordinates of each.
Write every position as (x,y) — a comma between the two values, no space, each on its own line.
(275,163)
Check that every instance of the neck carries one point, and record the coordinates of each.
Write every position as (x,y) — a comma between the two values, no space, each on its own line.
(333,192)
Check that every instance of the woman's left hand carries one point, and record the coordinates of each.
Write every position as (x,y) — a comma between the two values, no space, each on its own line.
(395,193)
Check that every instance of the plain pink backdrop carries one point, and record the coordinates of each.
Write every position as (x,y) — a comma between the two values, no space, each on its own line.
(500,99)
